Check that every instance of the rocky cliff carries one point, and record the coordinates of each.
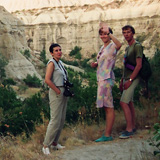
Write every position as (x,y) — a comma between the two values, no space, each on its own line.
(75,23)
(12,42)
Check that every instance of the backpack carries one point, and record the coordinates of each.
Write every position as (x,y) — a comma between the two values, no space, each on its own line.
(145,72)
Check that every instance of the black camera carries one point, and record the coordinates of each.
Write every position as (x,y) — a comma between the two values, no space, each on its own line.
(67,91)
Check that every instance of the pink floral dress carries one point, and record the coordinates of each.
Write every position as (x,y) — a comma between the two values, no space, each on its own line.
(105,76)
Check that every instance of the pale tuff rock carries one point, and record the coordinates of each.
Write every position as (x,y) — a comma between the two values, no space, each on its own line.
(38,4)
(75,22)
(12,41)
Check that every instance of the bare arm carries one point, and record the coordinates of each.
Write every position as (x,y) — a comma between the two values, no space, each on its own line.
(105,28)
(49,72)
(116,41)
(137,68)
(134,73)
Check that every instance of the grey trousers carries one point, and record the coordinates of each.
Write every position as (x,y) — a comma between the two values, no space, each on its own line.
(58,106)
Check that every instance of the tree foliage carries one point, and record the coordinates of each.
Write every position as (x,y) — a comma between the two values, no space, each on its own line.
(32,81)
(3,63)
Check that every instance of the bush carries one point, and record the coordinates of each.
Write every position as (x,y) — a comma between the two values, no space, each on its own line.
(32,81)
(155,78)
(9,81)
(155,140)
(81,108)
(3,63)
(78,55)
(43,57)
(26,53)
(10,105)
(75,51)
(73,63)
(18,116)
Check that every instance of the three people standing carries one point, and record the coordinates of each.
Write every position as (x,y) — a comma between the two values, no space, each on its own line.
(56,74)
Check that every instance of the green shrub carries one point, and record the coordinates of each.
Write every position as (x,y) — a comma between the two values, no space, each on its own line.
(84,99)
(75,51)
(154,86)
(73,63)
(32,81)
(9,81)
(94,55)
(84,63)
(9,104)
(155,140)
(3,63)
(20,116)
(78,55)
(26,53)
(43,57)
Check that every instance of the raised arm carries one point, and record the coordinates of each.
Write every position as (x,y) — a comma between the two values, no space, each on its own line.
(105,28)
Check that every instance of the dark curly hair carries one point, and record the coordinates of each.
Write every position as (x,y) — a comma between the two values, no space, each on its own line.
(53,45)
(126,27)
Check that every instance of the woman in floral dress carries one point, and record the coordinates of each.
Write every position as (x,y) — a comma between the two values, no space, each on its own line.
(105,76)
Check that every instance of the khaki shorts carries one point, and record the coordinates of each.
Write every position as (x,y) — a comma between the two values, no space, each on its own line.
(127,95)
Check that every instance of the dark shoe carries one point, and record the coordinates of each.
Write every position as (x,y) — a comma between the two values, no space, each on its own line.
(103,139)
(134,131)
(125,134)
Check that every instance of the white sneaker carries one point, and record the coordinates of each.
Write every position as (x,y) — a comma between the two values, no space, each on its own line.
(57,147)
(45,151)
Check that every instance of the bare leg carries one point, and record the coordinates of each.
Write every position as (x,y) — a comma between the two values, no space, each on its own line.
(128,116)
(131,106)
(110,117)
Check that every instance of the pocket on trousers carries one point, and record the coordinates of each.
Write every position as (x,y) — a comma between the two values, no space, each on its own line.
(61,94)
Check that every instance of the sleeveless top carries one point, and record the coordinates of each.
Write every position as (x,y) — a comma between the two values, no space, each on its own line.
(58,74)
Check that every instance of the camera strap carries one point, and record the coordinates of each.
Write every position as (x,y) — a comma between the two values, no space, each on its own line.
(61,67)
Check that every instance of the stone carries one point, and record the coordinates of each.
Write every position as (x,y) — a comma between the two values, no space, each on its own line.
(75,23)
(12,42)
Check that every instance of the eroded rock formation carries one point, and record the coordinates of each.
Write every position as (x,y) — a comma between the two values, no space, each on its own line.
(75,23)
(12,42)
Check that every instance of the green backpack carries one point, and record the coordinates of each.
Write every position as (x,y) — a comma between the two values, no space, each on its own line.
(145,72)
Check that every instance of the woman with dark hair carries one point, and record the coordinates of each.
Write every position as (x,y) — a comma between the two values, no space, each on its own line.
(105,77)
(54,78)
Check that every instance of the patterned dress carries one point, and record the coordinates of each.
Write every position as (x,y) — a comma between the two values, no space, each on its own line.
(105,76)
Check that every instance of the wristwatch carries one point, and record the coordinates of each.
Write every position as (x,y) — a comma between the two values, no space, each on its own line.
(130,80)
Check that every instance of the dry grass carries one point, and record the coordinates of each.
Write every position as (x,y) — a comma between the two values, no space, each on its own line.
(26,92)
(17,149)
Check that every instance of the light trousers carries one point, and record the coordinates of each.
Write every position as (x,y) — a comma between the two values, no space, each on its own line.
(58,106)
(127,95)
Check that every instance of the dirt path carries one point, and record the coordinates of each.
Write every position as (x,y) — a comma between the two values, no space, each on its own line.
(135,148)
